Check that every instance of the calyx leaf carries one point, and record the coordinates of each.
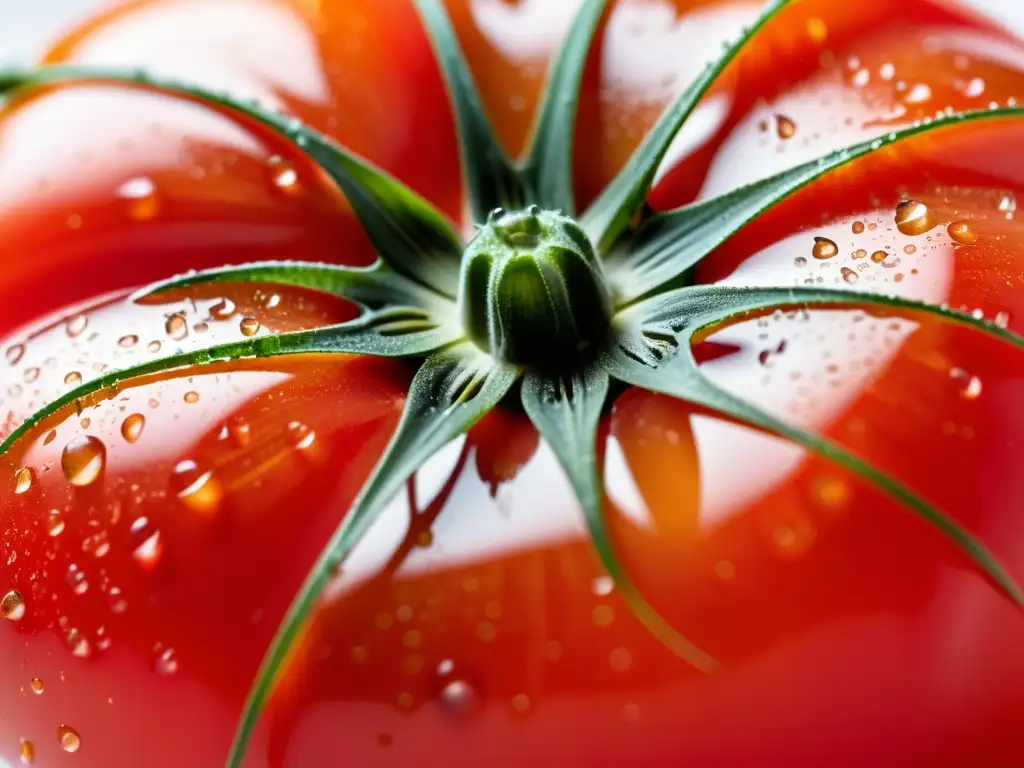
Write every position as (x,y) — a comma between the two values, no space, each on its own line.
(566,409)
(451,392)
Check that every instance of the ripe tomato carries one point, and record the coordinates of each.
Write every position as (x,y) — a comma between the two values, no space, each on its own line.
(156,535)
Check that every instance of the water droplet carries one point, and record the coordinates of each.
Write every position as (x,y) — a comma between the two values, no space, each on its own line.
(31,374)
(128,341)
(909,249)
(73,379)
(150,551)
(15,353)
(962,233)
(23,480)
(879,256)
(602,585)
(76,580)
(968,385)
(165,661)
(1002,319)
(849,275)
(784,127)
(78,644)
(918,94)
(176,326)
(141,198)
(192,397)
(115,600)
(69,739)
(154,346)
(975,88)
(458,698)
(249,326)
(300,436)
(283,174)
(239,431)
(27,752)
(54,523)
(131,427)
(196,486)
(97,545)
(75,325)
(223,309)
(83,460)
(858,227)
(824,248)
(13,606)
(800,261)
(36,685)
(860,253)
(913,218)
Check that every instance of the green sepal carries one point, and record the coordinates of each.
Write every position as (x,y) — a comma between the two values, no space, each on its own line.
(547,166)
(451,392)
(491,179)
(372,287)
(653,351)
(668,245)
(410,235)
(384,333)
(609,216)
(566,409)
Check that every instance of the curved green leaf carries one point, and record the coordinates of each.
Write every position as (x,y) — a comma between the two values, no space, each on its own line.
(371,287)
(491,179)
(449,394)
(654,352)
(410,235)
(548,164)
(610,214)
(566,411)
(670,244)
(385,333)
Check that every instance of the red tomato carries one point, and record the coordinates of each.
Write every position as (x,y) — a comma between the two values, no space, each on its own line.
(155,538)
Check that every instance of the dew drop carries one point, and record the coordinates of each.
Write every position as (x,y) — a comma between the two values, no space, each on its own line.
(249,326)
(150,551)
(785,127)
(602,585)
(913,218)
(459,700)
(154,346)
(800,261)
(909,249)
(141,199)
(83,460)
(97,545)
(824,248)
(1002,319)
(967,384)
(69,739)
(131,427)
(860,253)
(962,233)
(918,94)
(13,606)
(23,480)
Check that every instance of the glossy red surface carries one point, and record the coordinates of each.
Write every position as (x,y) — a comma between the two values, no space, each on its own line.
(474,625)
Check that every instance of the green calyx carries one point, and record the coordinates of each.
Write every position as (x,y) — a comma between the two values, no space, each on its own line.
(532,291)
(568,310)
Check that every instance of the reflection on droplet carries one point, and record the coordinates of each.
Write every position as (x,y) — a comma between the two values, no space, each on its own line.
(300,436)
(149,552)
(165,661)
(131,427)
(176,326)
(140,197)
(849,275)
(27,752)
(115,600)
(23,480)
(97,545)
(77,580)
(69,739)
(962,233)
(824,248)
(196,486)
(13,606)
(1002,319)
(249,326)
(458,699)
(36,685)
(78,644)
(602,585)
(283,174)
(968,385)
(54,523)
(83,460)
(75,325)
(913,218)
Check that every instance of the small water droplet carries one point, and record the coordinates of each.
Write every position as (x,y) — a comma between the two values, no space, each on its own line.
(73,379)
(968,385)
(879,256)
(141,198)
(858,227)
(961,232)
(13,606)
(918,94)
(1002,319)
(192,397)
(176,326)
(15,353)
(913,218)
(75,325)
(300,436)
(36,685)
(849,275)
(249,326)
(97,545)
(83,460)
(154,346)
(785,127)
(800,261)
(149,553)
(78,644)
(27,752)
(69,739)
(165,661)
(23,480)
(131,427)
(77,580)
(283,174)
(115,600)
(196,486)
(54,523)
(602,586)
(223,309)
(824,248)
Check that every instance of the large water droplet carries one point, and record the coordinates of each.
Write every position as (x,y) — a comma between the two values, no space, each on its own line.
(13,606)
(961,232)
(73,379)
(23,480)
(824,248)
(913,218)
(69,739)
(131,427)
(196,486)
(83,460)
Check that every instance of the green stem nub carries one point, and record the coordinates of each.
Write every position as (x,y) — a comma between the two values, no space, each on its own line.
(532,290)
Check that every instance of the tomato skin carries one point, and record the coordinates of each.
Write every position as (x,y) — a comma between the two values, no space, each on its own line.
(483,630)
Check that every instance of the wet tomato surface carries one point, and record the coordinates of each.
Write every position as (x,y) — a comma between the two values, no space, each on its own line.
(152,537)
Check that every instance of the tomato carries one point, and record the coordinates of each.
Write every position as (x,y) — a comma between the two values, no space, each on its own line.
(154,537)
